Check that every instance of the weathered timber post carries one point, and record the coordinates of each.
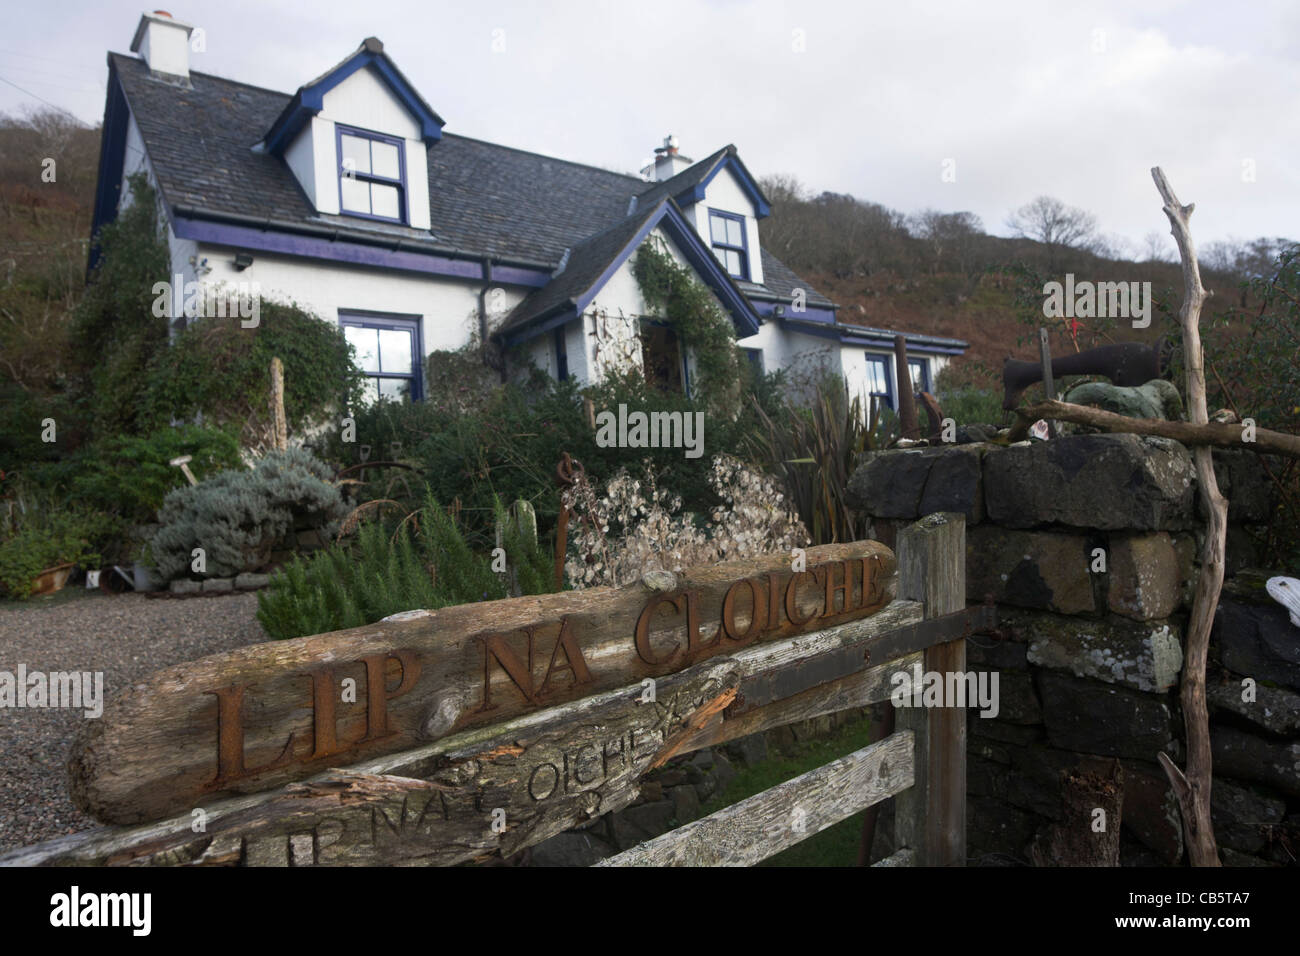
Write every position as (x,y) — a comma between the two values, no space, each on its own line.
(907,423)
(279,428)
(930,816)
(1049,384)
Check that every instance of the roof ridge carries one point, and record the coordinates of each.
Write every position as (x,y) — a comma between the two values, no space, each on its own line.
(546,156)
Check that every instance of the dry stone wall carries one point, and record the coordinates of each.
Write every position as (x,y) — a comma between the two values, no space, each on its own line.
(1089,545)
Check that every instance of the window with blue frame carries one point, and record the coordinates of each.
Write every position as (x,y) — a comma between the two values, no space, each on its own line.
(920,370)
(372,175)
(388,351)
(879,380)
(727,233)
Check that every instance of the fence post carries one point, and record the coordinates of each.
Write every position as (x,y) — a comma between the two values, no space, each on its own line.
(931,815)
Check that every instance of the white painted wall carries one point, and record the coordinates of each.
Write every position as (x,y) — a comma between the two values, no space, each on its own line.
(447,307)
(310,162)
(364,100)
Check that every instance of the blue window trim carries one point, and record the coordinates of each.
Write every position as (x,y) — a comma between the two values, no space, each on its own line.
(755,357)
(339,131)
(884,361)
(362,318)
(743,248)
(561,355)
(925,372)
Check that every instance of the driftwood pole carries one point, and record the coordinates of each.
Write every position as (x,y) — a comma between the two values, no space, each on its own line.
(1218,434)
(1193,787)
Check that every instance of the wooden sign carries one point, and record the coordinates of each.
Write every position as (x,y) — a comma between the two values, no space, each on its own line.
(265,715)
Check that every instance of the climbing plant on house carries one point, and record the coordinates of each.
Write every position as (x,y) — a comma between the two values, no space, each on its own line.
(115,334)
(721,374)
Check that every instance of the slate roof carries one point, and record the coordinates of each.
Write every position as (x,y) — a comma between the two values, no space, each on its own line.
(485,199)
(586,263)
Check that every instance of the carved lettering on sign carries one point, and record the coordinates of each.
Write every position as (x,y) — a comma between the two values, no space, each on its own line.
(278,713)
(566,656)
(230,717)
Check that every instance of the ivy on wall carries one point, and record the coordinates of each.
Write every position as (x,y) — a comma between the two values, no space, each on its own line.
(721,373)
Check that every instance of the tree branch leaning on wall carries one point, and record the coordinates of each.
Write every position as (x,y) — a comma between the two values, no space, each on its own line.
(1193,787)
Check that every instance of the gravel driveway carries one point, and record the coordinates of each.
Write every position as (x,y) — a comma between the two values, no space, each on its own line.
(127,636)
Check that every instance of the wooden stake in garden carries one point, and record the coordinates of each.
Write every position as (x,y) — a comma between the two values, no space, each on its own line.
(279,427)
(1193,787)
(907,423)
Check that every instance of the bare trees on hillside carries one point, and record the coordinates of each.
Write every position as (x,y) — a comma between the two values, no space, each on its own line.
(1058,227)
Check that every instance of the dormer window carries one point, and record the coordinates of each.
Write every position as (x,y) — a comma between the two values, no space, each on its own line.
(727,233)
(372,175)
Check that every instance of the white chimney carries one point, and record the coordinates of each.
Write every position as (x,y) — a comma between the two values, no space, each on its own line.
(668,162)
(164,44)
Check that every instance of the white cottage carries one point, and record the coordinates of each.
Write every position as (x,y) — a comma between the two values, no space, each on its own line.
(349,198)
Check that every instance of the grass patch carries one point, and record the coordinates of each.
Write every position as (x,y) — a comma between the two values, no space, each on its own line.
(834,846)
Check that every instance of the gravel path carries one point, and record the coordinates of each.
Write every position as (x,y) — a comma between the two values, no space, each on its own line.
(127,636)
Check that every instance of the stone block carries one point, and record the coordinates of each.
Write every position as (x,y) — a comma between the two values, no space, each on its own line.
(1145,656)
(1097,718)
(1248,757)
(1274,709)
(571,849)
(1143,576)
(994,827)
(1017,699)
(751,749)
(956,483)
(218,585)
(1242,817)
(185,586)
(1258,640)
(1108,482)
(1243,481)
(1029,569)
(889,483)
(651,819)
(723,771)
(686,804)
(251,582)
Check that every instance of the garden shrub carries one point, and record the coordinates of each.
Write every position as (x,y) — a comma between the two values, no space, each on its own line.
(131,475)
(237,516)
(221,370)
(635,525)
(509,449)
(46,538)
(425,563)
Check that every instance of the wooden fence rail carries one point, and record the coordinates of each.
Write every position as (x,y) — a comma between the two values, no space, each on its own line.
(489,789)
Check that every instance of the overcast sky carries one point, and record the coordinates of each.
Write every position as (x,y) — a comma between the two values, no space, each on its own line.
(1024,98)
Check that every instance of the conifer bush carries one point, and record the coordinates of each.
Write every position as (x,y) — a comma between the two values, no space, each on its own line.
(237,516)
(424,563)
